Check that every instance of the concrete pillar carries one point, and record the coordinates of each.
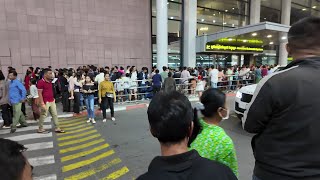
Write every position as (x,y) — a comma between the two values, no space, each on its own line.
(285,19)
(190,33)
(162,34)
(255,7)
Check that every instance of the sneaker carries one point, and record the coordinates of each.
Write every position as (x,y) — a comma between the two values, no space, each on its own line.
(18,125)
(93,121)
(113,119)
(5,127)
(104,120)
(89,120)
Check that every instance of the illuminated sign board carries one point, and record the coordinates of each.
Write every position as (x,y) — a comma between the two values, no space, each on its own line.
(218,47)
(233,40)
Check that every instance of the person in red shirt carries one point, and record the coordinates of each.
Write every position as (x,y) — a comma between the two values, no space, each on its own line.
(47,101)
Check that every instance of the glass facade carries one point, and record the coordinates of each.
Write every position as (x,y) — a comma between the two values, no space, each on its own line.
(220,15)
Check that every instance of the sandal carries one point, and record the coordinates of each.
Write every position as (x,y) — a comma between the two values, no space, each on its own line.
(59,131)
(42,131)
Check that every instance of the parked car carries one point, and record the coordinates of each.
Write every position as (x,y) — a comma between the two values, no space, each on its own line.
(244,96)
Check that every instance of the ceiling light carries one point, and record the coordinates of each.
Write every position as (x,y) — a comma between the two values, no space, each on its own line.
(171,17)
(167,3)
(202,20)
(204,29)
(254,34)
(232,25)
(226,10)
(245,41)
(264,18)
(313,7)
(230,39)
(219,12)
(224,23)
(284,37)
(271,43)
(232,8)
(214,14)
(304,9)
(269,36)
(214,21)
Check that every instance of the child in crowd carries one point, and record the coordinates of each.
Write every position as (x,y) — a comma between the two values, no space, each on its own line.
(34,98)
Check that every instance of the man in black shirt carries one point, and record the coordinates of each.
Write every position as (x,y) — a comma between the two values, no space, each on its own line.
(170,116)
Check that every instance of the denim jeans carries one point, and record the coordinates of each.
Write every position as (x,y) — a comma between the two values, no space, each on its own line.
(214,85)
(90,105)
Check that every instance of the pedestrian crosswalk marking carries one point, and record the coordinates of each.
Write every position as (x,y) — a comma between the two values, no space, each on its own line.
(117,174)
(40,161)
(82,146)
(77,136)
(75,131)
(29,136)
(84,153)
(7,131)
(86,162)
(39,146)
(36,122)
(75,127)
(47,177)
(68,121)
(93,171)
(79,140)
(73,124)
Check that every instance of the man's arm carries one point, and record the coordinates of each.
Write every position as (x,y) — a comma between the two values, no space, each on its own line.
(259,110)
(22,90)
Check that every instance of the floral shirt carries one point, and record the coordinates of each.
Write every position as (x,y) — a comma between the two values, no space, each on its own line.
(213,143)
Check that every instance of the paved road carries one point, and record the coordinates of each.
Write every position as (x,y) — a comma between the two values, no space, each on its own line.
(112,150)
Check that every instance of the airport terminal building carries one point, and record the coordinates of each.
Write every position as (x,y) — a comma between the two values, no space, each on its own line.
(70,33)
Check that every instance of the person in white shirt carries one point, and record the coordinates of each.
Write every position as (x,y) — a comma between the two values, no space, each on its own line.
(34,97)
(214,77)
(100,77)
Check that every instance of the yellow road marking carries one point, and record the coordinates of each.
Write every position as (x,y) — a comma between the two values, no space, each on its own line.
(93,171)
(84,153)
(76,131)
(86,162)
(116,174)
(76,127)
(77,135)
(82,146)
(73,124)
(79,140)
(70,121)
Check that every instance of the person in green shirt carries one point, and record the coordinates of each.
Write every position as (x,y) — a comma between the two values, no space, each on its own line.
(210,140)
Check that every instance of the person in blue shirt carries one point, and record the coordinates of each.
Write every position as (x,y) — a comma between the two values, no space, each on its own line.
(156,80)
(17,95)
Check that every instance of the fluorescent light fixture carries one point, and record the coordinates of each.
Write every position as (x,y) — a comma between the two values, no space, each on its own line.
(232,25)
(264,18)
(214,14)
(230,39)
(202,20)
(204,29)
(313,7)
(224,23)
(232,8)
(269,36)
(167,3)
(226,10)
(271,43)
(219,12)
(245,40)
(284,37)
(214,21)
(254,34)
(304,9)
(171,17)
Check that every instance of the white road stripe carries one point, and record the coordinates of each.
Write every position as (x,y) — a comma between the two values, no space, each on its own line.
(38,146)
(29,136)
(47,177)
(36,122)
(40,161)
(7,131)
(65,115)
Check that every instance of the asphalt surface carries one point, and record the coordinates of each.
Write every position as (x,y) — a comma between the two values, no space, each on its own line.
(113,150)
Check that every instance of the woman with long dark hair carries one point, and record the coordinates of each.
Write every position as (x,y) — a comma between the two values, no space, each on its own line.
(208,138)
(107,96)
(89,88)
(77,87)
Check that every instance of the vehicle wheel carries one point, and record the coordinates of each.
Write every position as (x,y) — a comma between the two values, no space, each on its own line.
(240,116)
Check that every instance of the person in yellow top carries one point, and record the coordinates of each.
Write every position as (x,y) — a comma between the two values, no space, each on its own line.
(107,96)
